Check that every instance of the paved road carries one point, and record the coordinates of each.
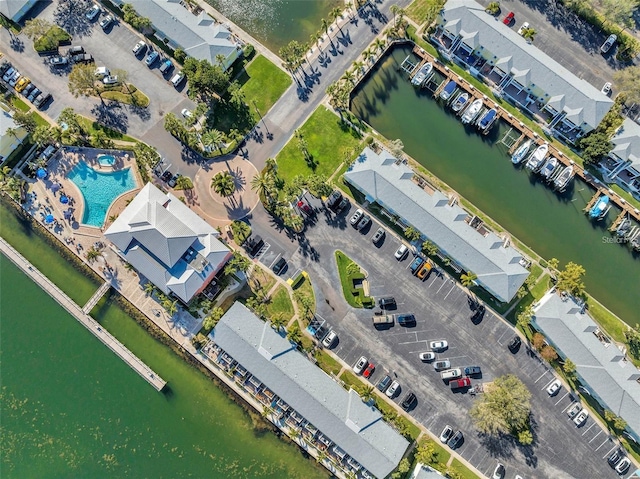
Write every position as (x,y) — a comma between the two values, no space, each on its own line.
(443,311)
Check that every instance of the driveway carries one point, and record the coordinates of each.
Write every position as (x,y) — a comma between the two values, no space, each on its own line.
(442,310)
(565,37)
(113,50)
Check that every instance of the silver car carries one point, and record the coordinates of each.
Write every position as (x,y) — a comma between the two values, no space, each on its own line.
(359,366)
(357,216)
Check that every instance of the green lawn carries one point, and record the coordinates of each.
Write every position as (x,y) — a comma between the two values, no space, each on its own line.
(348,273)
(280,304)
(463,470)
(132,96)
(50,40)
(329,142)
(93,126)
(327,363)
(19,104)
(264,83)
(262,278)
(304,288)
(421,10)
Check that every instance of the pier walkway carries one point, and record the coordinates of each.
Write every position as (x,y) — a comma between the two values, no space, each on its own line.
(93,300)
(87,321)
(526,132)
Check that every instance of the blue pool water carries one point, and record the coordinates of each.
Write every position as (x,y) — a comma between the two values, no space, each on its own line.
(99,190)
(106,160)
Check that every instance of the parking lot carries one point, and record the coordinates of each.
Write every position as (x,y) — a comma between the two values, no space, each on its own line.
(442,310)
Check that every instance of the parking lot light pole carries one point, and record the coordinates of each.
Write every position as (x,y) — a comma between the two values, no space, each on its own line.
(260,115)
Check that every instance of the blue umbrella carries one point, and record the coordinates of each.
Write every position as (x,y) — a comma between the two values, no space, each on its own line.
(49,219)
(64,200)
(42,173)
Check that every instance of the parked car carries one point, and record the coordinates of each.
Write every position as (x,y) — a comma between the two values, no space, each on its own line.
(356,217)
(387,303)
(186,113)
(377,237)
(254,244)
(623,465)
(554,387)
(279,266)
(580,419)
(369,371)
(8,73)
(401,252)
(34,93)
(305,208)
(151,59)
(575,409)
(406,319)
(166,67)
(22,84)
(451,374)
(424,270)
(409,401)
(4,66)
(384,383)
(509,18)
(523,28)
(477,315)
(614,458)
(439,345)
(393,389)
(446,434)
(166,176)
(75,50)
(41,99)
(93,12)
(427,356)
(472,370)
(515,343)
(440,365)
(606,89)
(329,339)
(609,42)
(139,47)
(174,180)
(110,80)
(415,265)
(364,222)
(15,78)
(456,440)
(106,22)
(82,58)
(359,366)
(177,79)
(460,383)
(334,199)
(344,202)
(58,61)
(28,89)
(499,471)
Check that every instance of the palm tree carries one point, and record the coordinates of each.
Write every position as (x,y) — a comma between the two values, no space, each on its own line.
(325,27)
(213,138)
(335,14)
(379,44)
(315,38)
(278,322)
(366,393)
(395,9)
(429,248)
(93,254)
(149,288)
(358,67)
(223,184)
(349,77)
(528,34)
(262,184)
(468,279)
(367,55)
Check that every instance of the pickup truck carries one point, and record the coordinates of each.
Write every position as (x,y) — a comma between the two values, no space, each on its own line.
(82,58)
(380,319)
(417,262)
(460,383)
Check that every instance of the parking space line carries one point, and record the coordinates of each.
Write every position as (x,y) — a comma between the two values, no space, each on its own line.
(567,406)
(443,283)
(452,288)
(274,261)
(610,450)
(589,428)
(565,395)
(541,376)
(599,432)
(501,336)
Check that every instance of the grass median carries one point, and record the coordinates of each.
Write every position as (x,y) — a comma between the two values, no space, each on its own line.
(351,279)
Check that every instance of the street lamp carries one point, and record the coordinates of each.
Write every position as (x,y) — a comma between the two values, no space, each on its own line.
(260,115)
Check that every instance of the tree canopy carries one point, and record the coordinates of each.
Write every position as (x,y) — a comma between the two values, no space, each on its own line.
(628,81)
(206,81)
(570,279)
(595,146)
(82,81)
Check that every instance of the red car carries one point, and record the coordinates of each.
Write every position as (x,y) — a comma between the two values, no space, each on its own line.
(369,371)
(509,18)
(305,208)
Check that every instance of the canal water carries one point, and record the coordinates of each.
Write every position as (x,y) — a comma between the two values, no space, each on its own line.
(71,408)
(276,22)
(479,168)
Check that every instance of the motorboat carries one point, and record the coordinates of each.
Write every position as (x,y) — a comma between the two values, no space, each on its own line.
(487,120)
(448,90)
(599,210)
(521,152)
(420,77)
(548,168)
(460,102)
(472,111)
(624,227)
(537,157)
(562,180)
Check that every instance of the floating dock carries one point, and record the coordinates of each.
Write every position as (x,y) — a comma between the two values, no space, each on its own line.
(526,132)
(83,318)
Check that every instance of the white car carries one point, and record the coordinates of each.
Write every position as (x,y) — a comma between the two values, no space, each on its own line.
(329,339)
(606,89)
(186,113)
(110,80)
(359,366)
(446,434)
(499,471)
(427,356)
(401,252)
(623,465)
(609,42)
(581,418)
(573,410)
(438,345)
(524,26)
(554,387)
(392,389)
(139,47)
(93,12)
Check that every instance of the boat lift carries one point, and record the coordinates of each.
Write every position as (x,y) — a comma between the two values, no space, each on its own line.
(408,65)
(510,142)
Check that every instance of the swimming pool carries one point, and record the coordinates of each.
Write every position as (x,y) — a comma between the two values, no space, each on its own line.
(106,160)
(99,190)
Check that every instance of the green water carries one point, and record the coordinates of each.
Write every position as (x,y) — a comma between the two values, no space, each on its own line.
(71,408)
(553,225)
(276,22)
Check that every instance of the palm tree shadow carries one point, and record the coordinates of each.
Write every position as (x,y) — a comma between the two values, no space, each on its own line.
(239,180)
(236,209)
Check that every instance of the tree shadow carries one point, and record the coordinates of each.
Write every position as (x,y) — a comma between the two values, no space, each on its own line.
(143,113)
(236,209)
(16,44)
(70,15)
(111,115)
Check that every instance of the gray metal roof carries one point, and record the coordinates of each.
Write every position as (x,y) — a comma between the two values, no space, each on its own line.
(602,365)
(356,428)
(16,9)
(626,143)
(422,471)
(155,231)
(583,102)
(382,179)
(199,36)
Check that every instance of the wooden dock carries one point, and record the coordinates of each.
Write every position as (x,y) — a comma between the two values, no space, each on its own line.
(526,133)
(87,321)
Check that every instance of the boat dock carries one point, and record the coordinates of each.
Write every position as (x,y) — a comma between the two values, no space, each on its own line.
(83,318)
(527,133)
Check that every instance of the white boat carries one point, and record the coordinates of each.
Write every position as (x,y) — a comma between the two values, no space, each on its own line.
(472,112)
(448,90)
(420,77)
(521,152)
(562,180)
(487,120)
(548,168)
(600,209)
(460,102)
(537,157)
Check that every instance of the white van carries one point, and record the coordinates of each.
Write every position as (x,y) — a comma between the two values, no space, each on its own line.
(102,72)
(451,374)
(177,79)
